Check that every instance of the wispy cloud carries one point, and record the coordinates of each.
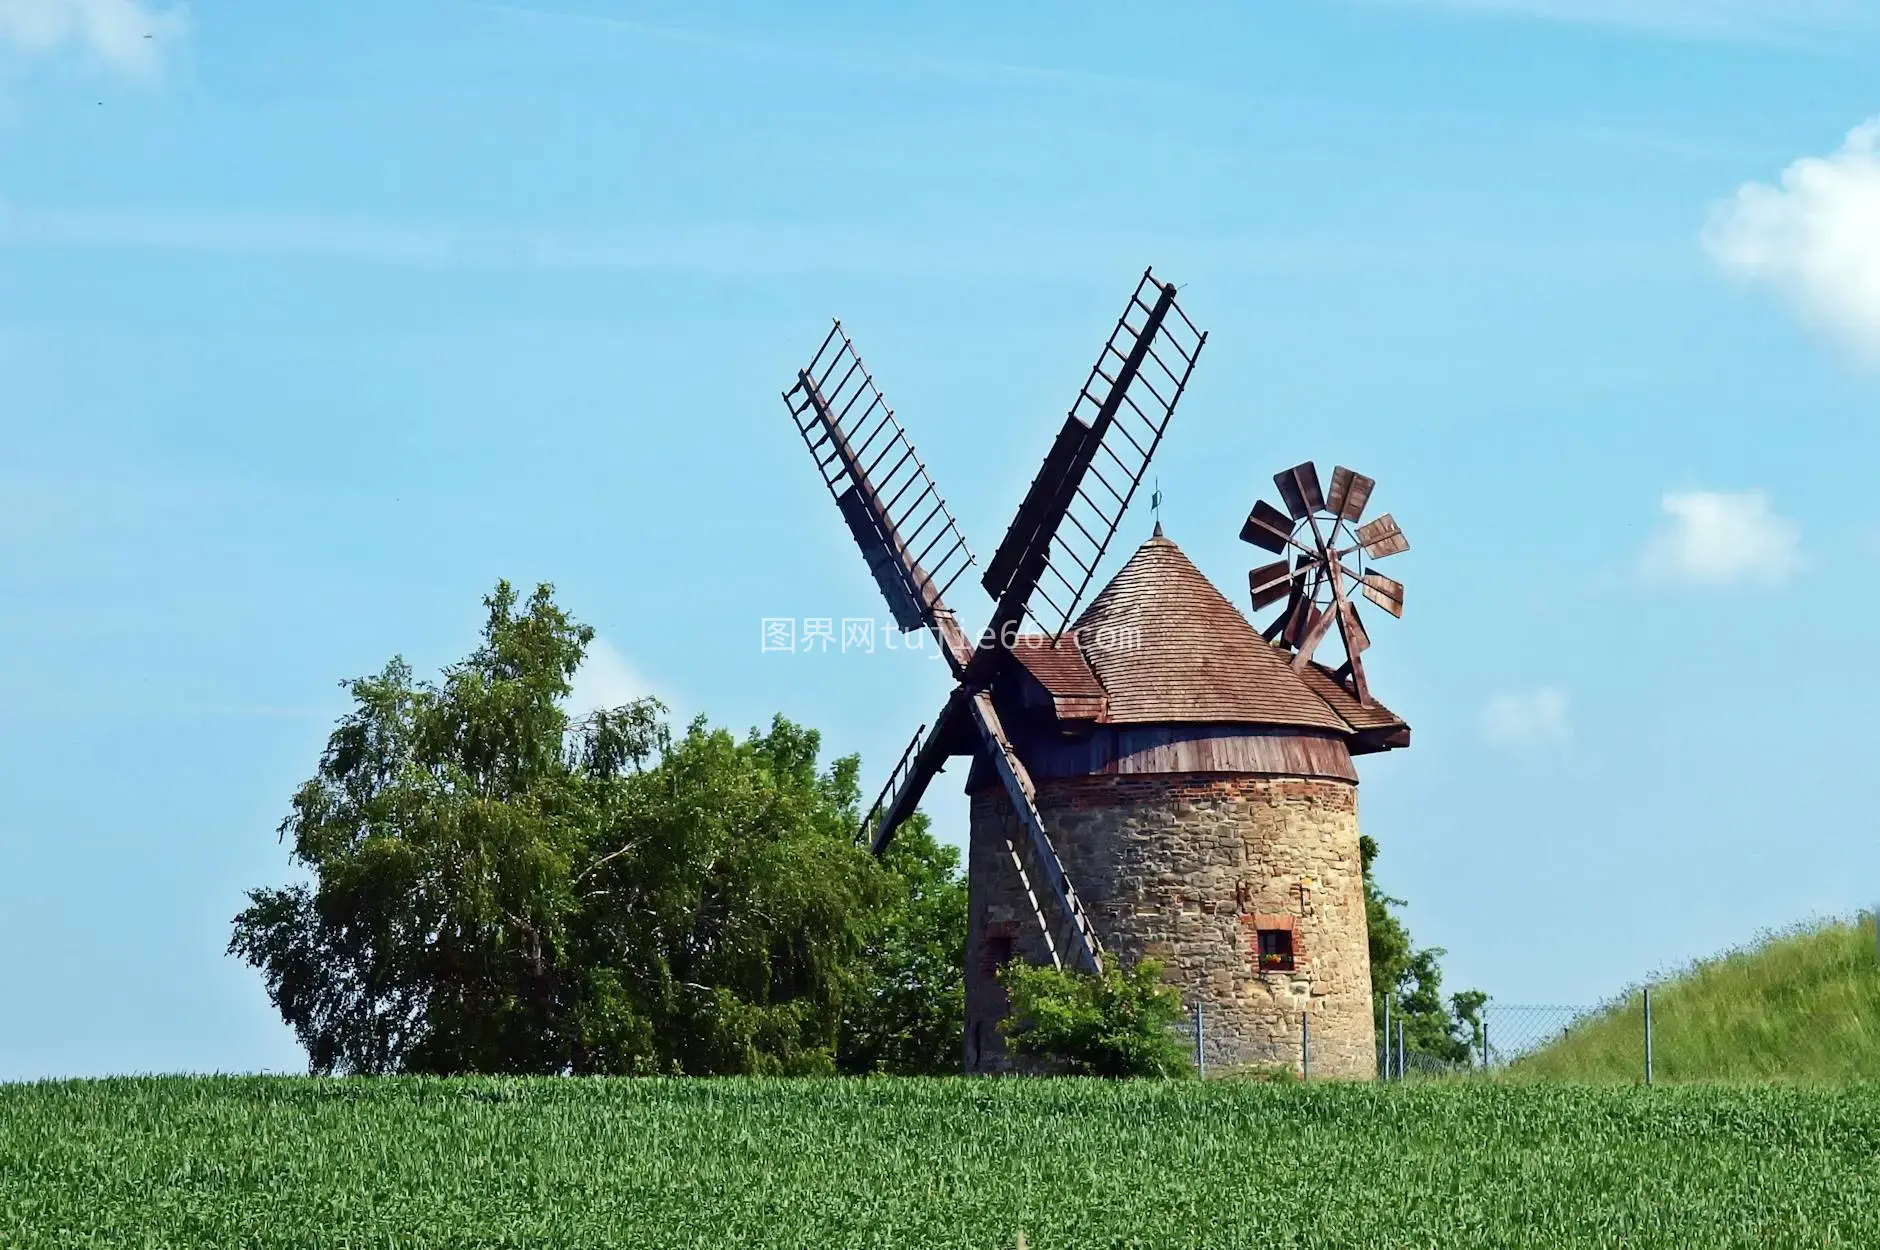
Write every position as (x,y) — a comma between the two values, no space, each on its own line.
(46,501)
(1814,239)
(1721,539)
(795,52)
(1536,720)
(419,245)
(1798,22)
(993,248)
(154,712)
(247,233)
(127,35)
(731,247)
(605,680)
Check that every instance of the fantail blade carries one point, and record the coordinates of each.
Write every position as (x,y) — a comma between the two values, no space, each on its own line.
(1266,527)
(1384,592)
(1350,492)
(1299,489)
(1341,486)
(1382,538)
(1356,640)
(1270,583)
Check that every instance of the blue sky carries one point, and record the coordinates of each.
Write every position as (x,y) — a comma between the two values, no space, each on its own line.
(314,324)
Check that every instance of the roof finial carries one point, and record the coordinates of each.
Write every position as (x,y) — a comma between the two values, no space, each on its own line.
(1155,503)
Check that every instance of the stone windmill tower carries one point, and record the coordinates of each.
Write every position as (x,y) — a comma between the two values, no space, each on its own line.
(1152,777)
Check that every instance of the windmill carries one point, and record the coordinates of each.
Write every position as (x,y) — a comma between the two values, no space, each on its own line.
(1326,557)
(1042,569)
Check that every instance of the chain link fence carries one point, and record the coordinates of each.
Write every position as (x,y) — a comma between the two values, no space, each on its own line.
(1530,1039)
(1511,1031)
(1798,1004)
(1192,1030)
(1508,1034)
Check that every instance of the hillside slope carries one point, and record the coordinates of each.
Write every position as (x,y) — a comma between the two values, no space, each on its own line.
(1802,1005)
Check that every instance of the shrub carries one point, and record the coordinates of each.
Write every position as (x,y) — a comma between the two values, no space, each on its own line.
(1113,1025)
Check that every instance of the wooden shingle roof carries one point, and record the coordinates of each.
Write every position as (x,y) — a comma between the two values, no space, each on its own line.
(1165,647)
(1060,669)
(1339,698)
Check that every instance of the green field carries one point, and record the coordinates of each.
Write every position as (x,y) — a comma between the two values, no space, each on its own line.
(238,1162)
(1797,1006)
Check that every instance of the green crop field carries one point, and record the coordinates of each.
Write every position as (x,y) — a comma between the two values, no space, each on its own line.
(252,1162)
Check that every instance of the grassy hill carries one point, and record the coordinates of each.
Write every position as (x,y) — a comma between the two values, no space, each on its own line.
(1798,1006)
(311,1164)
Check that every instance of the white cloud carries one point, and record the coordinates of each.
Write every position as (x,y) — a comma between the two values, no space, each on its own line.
(604,680)
(1814,239)
(1528,720)
(127,35)
(1756,21)
(1721,538)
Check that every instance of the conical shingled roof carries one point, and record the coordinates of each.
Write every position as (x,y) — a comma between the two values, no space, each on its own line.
(1169,648)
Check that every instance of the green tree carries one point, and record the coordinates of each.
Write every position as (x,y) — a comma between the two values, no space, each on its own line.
(1113,1025)
(496,889)
(1413,980)
(909,1014)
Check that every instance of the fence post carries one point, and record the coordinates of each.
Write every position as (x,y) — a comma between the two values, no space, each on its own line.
(1387,1037)
(1201,1063)
(1648,1035)
(1400,1068)
(1484,1039)
(1305,1045)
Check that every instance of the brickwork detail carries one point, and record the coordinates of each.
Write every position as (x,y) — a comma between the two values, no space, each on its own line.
(1186,869)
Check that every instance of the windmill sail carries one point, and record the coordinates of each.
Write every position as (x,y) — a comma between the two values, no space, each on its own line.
(894,576)
(915,551)
(913,547)
(1051,551)
(919,765)
(1043,855)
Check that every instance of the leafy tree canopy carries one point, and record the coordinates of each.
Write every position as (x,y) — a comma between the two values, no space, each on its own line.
(909,1013)
(496,888)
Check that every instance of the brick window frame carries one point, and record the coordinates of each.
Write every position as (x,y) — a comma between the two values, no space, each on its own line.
(1273,942)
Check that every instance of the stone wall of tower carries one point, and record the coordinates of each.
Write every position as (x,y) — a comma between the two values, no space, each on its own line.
(1186,868)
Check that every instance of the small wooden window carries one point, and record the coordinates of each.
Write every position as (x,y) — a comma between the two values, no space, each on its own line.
(1276,950)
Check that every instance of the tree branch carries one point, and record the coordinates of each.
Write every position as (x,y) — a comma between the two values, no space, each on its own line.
(611,855)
